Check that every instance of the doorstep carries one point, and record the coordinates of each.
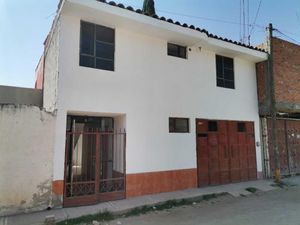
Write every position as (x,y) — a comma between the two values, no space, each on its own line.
(121,206)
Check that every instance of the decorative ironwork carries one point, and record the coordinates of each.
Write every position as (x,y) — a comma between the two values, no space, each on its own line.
(80,189)
(112,185)
(94,167)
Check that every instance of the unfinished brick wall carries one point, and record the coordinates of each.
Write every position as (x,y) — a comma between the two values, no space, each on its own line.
(261,81)
(286,68)
(286,65)
(262,89)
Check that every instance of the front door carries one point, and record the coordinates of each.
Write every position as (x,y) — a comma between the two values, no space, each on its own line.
(95,161)
(225,152)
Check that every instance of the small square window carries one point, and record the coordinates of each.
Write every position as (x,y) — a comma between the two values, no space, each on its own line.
(212,126)
(178,125)
(241,127)
(176,50)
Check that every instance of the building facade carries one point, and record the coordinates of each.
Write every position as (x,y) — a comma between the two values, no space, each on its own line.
(146,106)
(140,105)
(286,89)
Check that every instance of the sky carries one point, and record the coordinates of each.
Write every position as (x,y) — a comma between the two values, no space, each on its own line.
(24,26)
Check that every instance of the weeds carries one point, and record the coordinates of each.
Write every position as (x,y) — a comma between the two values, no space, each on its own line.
(252,189)
(108,216)
(102,216)
(283,184)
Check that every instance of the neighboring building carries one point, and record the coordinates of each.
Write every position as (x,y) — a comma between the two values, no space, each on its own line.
(286,80)
(145,105)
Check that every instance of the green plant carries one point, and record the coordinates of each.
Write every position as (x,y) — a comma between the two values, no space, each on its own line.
(252,189)
(149,7)
(101,216)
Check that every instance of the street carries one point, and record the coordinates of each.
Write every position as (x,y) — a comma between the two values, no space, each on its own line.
(280,207)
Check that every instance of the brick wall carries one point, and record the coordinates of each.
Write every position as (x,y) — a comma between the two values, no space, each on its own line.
(286,66)
(262,89)
(286,57)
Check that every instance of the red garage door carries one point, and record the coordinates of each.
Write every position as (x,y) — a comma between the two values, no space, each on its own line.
(225,152)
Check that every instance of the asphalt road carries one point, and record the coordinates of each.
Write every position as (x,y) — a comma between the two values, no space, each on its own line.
(279,207)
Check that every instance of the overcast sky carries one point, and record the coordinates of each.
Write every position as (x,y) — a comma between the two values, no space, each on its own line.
(24,26)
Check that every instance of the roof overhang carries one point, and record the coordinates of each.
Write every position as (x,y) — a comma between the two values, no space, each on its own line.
(108,15)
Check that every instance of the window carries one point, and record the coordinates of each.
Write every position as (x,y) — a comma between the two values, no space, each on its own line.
(225,72)
(241,127)
(97,46)
(212,126)
(176,50)
(179,125)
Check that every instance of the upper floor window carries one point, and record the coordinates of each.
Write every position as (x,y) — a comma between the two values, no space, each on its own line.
(177,50)
(225,72)
(97,46)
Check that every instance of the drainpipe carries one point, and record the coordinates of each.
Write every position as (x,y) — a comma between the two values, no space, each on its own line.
(273,109)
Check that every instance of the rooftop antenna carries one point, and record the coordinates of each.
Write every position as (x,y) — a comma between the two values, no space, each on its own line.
(244,22)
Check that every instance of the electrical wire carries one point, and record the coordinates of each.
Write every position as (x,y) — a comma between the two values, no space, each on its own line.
(244,22)
(207,18)
(204,18)
(287,36)
(50,15)
(256,16)
(241,21)
(298,18)
(248,22)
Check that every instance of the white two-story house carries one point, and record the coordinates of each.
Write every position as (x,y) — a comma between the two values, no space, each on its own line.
(146,105)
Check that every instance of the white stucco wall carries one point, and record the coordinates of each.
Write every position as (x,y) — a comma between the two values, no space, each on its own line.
(149,87)
(26,152)
(51,70)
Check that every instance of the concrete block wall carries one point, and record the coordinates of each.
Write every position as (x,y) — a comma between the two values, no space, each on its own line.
(18,95)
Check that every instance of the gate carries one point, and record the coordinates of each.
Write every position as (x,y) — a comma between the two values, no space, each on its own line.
(288,136)
(226,152)
(94,167)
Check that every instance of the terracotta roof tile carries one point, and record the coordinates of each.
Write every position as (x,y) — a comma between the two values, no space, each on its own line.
(112,3)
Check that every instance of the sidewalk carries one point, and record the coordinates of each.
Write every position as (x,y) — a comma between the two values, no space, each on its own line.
(127,204)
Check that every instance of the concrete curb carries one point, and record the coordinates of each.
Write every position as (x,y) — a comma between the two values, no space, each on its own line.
(123,206)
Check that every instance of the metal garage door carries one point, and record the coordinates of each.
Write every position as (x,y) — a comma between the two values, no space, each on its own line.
(225,152)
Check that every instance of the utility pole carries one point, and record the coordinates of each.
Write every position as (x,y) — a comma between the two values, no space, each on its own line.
(273,109)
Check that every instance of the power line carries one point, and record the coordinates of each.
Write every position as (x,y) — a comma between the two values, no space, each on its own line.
(243,39)
(50,15)
(248,21)
(241,21)
(256,16)
(283,34)
(289,32)
(207,18)
(204,18)
(298,18)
